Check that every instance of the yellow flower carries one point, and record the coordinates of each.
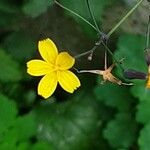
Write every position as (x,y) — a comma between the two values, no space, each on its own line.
(54,68)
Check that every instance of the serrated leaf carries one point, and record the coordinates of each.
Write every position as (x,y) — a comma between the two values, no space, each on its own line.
(121,132)
(143,112)
(67,125)
(21,131)
(131,47)
(25,127)
(113,95)
(144,139)
(8,112)
(10,70)
(140,91)
(15,132)
(20,45)
(35,8)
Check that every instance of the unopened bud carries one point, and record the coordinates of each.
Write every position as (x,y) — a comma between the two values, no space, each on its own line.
(133,74)
(90,56)
(147,56)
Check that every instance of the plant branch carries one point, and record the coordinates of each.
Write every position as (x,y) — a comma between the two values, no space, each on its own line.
(104,37)
(123,19)
(148,35)
(97,44)
(79,16)
(93,18)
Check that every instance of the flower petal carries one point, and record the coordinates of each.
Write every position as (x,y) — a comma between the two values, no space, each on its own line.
(68,80)
(47,85)
(48,50)
(38,67)
(64,61)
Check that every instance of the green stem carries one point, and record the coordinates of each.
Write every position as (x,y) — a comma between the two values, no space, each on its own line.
(76,15)
(116,61)
(148,35)
(123,19)
(87,52)
(109,33)
(93,18)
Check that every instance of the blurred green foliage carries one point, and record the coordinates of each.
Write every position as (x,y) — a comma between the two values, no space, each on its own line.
(94,117)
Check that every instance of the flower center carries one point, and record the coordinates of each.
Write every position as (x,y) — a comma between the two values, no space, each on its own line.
(57,67)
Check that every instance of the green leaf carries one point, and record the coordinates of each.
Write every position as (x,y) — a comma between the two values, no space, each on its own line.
(35,8)
(140,91)
(121,132)
(143,112)
(131,47)
(22,130)
(42,146)
(114,95)
(8,7)
(9,21)
(15,132)
(25,127)
(144,139)
(8,112)
(6,145)
(23,146)
(10,70)
(67,125)
(10,15)
(20,45)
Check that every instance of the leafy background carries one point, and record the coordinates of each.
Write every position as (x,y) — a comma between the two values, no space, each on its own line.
(94,117)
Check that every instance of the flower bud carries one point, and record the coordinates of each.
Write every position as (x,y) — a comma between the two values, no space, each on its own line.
(133,74)
(147,56)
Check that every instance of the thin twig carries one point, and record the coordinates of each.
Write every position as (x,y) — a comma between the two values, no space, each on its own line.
(97,44)
(89,51)
(93,18)
(111,31)
(123,19)
(102,35)
(148,35)
(79,16)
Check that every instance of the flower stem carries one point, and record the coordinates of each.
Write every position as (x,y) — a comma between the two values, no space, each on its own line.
(97,29)
(111,31)
(123,19)
(79,16)
(93,18)
(148,35)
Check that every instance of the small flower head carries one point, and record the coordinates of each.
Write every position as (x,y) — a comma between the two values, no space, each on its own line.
(54,68)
